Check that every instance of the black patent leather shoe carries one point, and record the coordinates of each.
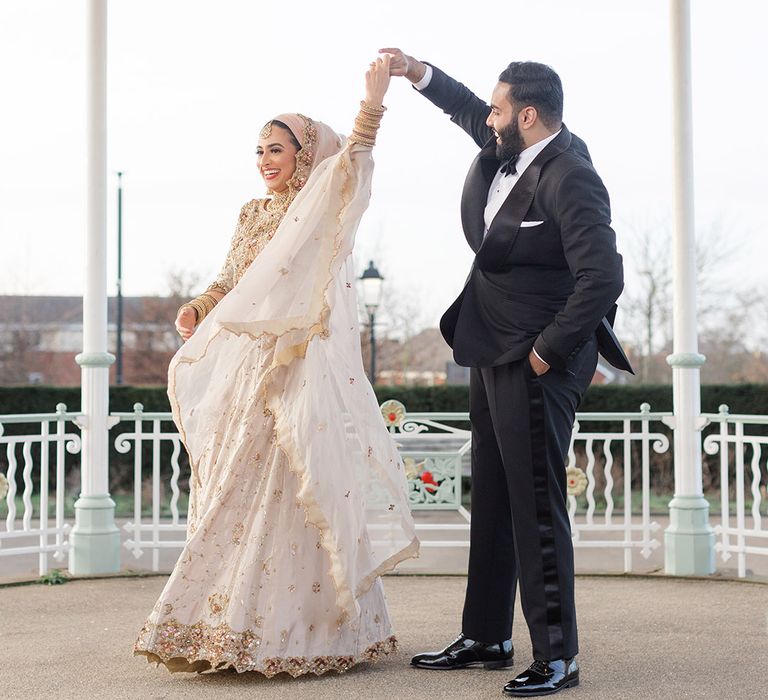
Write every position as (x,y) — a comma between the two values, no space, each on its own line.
(544,678)
(466,653)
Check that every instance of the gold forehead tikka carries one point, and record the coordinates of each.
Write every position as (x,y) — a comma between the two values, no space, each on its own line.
(266,132)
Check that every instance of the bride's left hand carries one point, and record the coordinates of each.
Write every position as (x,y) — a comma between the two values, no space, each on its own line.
(377,81)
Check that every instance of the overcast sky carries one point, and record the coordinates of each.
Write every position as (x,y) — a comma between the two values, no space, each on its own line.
(192,82)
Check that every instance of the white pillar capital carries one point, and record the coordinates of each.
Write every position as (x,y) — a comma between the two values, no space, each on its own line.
(686,359)
(95,359)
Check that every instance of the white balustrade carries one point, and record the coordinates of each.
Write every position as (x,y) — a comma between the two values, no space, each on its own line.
(32,532)
(626,442)
(607,450)
(159,531)
(435,449)
(740,441)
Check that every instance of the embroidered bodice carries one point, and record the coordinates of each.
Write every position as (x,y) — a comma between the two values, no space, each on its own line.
(256,225)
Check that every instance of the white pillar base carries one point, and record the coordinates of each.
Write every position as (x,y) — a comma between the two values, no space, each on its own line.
(689,541)
(95,539)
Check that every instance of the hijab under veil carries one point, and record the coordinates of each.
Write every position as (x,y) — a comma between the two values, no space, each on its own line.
(300,294)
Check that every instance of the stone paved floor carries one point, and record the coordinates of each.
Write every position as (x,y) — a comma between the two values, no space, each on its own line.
(640,638)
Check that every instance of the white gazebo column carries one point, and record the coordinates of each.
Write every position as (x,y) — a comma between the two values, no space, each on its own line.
(95,540)
(689,540)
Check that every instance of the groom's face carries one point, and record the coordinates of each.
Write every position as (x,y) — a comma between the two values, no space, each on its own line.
(503,119)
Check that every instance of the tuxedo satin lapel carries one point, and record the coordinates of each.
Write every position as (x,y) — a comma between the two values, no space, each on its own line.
(475,194)
(505,226)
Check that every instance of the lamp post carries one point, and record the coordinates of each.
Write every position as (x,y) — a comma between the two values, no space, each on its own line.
(372,281)
(119,351)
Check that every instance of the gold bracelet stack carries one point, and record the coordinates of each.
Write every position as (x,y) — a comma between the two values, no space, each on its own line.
(203,305)
(367,124)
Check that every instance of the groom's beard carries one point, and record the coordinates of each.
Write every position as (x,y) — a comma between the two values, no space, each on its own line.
(511,141)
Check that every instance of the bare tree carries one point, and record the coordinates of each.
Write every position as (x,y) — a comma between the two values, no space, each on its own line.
(399,319)
(18,342)
(647,302)
(183,284)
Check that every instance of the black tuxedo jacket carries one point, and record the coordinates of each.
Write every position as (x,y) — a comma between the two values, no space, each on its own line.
(550,286)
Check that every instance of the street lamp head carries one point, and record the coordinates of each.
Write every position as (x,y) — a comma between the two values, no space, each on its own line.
(372,284)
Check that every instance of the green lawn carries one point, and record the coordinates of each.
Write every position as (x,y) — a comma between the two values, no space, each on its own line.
(124,505)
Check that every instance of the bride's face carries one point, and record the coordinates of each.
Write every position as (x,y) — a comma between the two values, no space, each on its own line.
(276,158)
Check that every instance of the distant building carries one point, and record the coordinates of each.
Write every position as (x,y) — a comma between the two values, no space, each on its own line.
(41,335)
(417,361)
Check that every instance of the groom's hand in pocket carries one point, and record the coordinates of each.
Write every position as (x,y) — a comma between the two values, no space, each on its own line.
(537,365)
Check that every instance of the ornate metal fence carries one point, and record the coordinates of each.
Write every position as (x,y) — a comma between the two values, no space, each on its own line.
(435,450)
(36,449)
(608,471)
(740,441)
(164,528)
(609,463)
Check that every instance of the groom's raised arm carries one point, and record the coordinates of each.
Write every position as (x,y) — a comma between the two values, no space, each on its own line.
(462,105)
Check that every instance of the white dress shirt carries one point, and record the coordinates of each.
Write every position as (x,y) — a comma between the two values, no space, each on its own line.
(426,79)
(502,184)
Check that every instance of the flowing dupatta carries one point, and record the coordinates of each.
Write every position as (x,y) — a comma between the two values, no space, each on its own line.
(300,294)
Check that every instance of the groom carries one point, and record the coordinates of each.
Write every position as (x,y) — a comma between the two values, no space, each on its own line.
(537,307)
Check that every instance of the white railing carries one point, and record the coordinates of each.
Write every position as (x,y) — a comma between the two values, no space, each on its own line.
(741,444)
(28,529)
(607,510)
(158,533)
(606,455)
(435,451)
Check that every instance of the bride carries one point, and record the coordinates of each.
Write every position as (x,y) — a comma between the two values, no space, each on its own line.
(298,498)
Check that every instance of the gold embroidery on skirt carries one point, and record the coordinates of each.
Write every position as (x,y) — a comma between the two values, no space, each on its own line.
(200,647)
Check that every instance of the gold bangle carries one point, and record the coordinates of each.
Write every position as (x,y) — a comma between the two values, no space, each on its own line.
(363,126)
(202,311)
(370,109)
(368,123)
(355,138)
(364,116)
(366,127)
(209,300)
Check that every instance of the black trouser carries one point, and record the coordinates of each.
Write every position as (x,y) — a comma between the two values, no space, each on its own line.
(521,431)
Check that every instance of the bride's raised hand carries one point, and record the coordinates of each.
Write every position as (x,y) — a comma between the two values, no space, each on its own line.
(377,81)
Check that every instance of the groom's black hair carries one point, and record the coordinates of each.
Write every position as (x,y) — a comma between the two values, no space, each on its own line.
(536,85)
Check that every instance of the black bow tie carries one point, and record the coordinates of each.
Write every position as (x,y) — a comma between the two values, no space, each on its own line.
(508,167)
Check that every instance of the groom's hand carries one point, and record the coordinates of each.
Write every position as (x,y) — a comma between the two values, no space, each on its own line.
(402,64)
(537,365)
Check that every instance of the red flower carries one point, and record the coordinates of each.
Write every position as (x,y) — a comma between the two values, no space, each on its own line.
(429,481)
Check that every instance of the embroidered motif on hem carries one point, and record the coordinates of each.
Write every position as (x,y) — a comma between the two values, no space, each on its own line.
(202,647)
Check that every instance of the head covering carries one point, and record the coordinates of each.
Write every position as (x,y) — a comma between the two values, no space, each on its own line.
(317,140)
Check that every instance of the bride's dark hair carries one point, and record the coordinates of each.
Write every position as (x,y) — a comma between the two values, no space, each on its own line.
(283,125)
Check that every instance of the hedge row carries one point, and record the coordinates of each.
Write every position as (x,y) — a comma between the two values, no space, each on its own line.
(741,398)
